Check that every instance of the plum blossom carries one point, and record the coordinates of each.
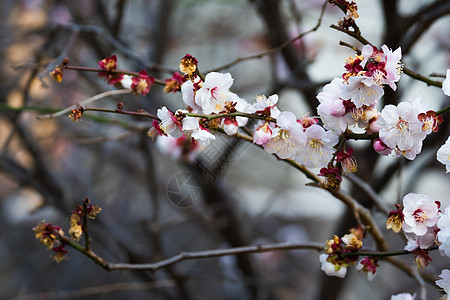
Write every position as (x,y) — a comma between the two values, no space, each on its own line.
(403,296)
(443,235)
(392,66)
(400,127)
(381,148)
(444,282)
(318,149)
(362,90)
(266,105)
(332,269)
(443,155)
(423,242)
(193,129)
(368,265)
(262,134)
(331,108)
(287,138)
(188,89)
(178,148)
(420,212)
(446,83)
(169,123)
(214,93)
(231,124)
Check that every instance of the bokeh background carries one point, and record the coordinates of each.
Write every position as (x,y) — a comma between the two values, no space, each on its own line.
(240,194)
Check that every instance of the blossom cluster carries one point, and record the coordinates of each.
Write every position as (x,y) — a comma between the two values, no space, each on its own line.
(425,224)
(338,255)
(48,235)
(347,104)
(53,237)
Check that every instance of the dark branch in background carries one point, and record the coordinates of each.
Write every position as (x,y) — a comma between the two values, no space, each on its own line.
(98,290)
(153,267)
(422,22)
(277,36)
(120,9)
(273,50)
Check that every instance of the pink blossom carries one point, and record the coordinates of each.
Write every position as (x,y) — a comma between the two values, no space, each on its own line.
(331,108)
(262,134)
(381,147)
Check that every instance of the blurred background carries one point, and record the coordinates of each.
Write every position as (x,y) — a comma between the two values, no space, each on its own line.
(234,194)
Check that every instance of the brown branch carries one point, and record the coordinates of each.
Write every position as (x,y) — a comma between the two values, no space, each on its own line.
(276,49)
(98,290)
(87,101)
(153,267)
(362,212)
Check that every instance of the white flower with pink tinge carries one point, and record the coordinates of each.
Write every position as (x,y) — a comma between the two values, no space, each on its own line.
(393,66)
(214,93)
(331,108)
(188,92)
(192,129)
(400,126)
(443,155)
(420,213)
(169,124)
(262,134)
(443,235)
(362,90)
(318,149)
(287,138)
(423,241)
(444,282)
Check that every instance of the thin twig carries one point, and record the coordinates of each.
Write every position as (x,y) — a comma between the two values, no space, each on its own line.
(363,213)
(364,186)
(276,49)
(87,101)
(153,267)
(98,290)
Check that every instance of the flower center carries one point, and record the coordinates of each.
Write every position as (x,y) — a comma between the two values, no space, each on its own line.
(402,126)
(315,143)
(419,215)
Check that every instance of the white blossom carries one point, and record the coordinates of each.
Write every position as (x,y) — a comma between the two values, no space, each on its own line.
(446,83)
(319,147)
(332,269)
(287,137)
(403,296)
(444,282)
(192,129)
(400,126)
(169,124)
(214,93)
(420,213)
(443,155)
(362,90)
